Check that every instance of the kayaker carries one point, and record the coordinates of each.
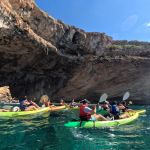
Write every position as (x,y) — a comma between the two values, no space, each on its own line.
(15,100)
(62,103)
(116,110)
(27,105)
(49,104)
(73,104)
(85,112)
(46,101)
(126,106)
(104,109)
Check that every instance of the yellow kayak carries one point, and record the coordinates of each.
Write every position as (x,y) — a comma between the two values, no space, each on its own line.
(57,108)
(140,112)
(24,113)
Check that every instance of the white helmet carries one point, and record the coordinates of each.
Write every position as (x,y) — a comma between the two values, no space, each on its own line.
(15,109)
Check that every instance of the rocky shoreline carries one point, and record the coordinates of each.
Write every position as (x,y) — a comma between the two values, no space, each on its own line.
(42,55)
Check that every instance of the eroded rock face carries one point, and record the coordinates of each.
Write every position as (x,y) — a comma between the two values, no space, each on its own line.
(42,55)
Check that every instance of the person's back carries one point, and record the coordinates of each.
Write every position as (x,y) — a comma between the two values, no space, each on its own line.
(104,109)
(27,105)
(114,110)
(84,112)
(22,104)
(87,113)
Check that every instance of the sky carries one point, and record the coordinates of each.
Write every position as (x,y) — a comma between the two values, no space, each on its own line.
(121,19)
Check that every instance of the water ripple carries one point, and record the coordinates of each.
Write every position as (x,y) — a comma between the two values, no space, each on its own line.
(48,133)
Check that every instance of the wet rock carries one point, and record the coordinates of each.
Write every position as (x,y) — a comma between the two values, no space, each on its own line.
(5,95)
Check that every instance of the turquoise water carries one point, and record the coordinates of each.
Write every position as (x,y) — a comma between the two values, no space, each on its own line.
(48,133)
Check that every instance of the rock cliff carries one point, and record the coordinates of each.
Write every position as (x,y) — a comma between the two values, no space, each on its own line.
(42,55)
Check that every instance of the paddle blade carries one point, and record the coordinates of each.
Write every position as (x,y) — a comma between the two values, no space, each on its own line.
(126,96)
(103,97)
(130,103)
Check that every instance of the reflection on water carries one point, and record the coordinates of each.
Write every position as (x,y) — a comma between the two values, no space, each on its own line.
(48,133)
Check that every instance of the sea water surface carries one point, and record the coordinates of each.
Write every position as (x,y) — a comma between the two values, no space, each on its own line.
(49,133)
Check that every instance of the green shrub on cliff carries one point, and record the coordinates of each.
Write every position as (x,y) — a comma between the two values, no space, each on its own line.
(124,47)
(132,47)
(114,47)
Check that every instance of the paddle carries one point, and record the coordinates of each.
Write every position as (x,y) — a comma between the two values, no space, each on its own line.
(103,98)
(126,96)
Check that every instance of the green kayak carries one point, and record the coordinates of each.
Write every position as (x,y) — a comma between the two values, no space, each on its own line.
(24,113)
(90,124)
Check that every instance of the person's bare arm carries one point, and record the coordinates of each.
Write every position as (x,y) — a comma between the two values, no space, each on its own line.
(35,104)
(94,110)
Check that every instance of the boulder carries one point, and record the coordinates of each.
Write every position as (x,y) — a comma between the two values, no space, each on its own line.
(5,95)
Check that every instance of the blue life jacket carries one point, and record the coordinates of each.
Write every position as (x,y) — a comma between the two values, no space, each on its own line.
(22,106)
(115,110)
